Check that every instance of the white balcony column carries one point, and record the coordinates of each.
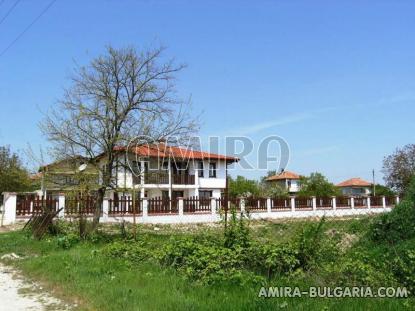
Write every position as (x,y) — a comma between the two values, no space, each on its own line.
(334,203)
(170,179)
(105,209)
(352,202)
(314,199)
(368,203)
(383,202)
(142,173)
(269,205)
(292,204)
(8,215)
(181,207)
(61,205)
(145,209)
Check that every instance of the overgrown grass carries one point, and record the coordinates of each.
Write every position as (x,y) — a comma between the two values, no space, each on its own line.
(85,273)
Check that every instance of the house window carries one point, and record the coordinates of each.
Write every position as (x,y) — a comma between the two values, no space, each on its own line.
(200,168)
(212,170)
(205,194)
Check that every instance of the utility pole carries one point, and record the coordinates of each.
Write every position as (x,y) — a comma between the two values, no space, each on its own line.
(374,187)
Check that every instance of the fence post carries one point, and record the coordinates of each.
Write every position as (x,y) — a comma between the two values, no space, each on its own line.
(180,202)
(213,206)
(242,204)
(383,202)
(8,216)
(397,199)
(314,199)
(368,202)
(145,209)
(269,205)
(334,203)
(352,202)
(105,209)
(61,205)
(292,204)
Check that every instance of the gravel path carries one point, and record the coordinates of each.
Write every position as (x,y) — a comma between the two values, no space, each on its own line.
(17,294)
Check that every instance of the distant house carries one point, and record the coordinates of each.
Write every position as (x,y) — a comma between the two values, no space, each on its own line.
(355,186)
(288,180)
(60,176)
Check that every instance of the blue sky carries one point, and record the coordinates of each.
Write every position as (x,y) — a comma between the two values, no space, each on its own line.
(333,78)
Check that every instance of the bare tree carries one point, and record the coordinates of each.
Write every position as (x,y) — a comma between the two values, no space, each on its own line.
(120,95)
(399,168)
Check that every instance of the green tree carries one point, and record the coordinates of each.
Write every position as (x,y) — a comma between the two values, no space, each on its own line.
(383,190)
(399,168)
(317,185)
(13,176)
(242,186)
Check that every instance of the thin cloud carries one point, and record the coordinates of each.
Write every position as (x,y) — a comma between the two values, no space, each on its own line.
(252,129)
(320,150)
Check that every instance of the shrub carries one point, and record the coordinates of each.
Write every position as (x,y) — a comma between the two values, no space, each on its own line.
(130,251)
(68,241)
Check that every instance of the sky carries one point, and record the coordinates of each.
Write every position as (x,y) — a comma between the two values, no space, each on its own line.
(334,79)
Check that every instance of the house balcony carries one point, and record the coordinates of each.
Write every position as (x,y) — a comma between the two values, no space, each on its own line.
(162,178)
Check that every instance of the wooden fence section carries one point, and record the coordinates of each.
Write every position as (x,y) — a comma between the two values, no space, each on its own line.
(28,205)
(224,203)
(376,202)
(360,202)
(343,202)
(324,203)
(303,203)
(256,204)
(157,206)
(390,201)
(124,206)
(76,206)
(280,204)
(197,205)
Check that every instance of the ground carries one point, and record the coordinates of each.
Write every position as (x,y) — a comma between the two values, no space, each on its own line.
(17,294)
(81,275)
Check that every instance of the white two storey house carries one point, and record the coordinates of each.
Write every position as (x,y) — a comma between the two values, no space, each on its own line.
(160,170)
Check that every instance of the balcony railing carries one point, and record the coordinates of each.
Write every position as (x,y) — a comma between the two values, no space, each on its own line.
(162,177)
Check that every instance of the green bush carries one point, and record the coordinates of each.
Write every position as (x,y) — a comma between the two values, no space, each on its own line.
(130,251)
(68,241)
(398,225)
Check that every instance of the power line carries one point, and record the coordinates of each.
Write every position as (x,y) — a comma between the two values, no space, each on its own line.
(28,27)
(9,11)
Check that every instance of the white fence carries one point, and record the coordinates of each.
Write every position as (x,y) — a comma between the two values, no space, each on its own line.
(194,210)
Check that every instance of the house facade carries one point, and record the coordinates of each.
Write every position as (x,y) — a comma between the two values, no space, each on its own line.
(166,171)
(287,180)
(355,187)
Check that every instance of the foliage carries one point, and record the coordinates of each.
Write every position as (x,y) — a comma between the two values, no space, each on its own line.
(131,251)
(243,187)
(317,185)
(68,241)
(384,190)
(399,223)
(399,168)
(13,176)
(274,190)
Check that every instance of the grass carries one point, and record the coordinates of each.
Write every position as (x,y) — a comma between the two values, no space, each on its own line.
(95,282)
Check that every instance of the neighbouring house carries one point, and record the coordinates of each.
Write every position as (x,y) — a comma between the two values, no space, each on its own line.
(355,186)
(160,170)
(287,180)
(61,176)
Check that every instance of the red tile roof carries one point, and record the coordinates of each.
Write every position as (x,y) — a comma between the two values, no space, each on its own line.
(354,182)
(284,175)
(163,151)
